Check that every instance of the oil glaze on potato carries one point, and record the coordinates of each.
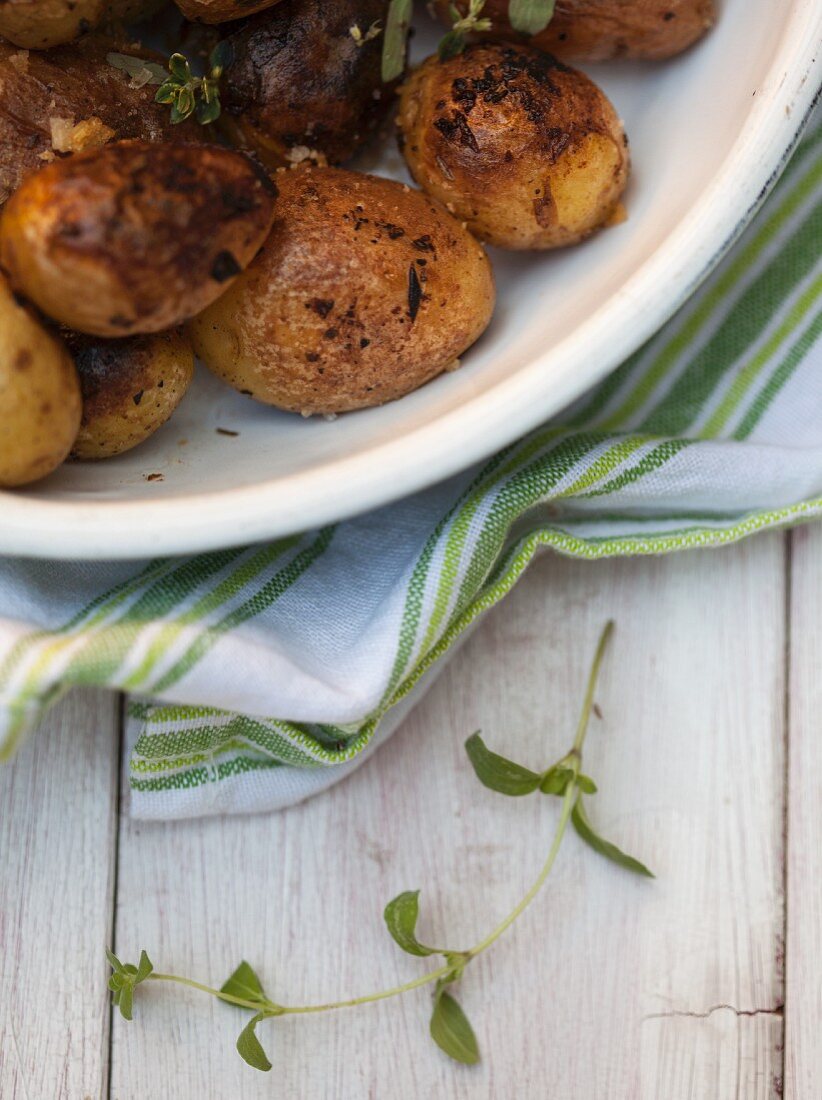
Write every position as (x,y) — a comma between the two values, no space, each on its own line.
(299,80)
(39,395)
(222,11)
(599,30)
(132,237)
(70,99)
(364,290)
(529,152)
(130,388)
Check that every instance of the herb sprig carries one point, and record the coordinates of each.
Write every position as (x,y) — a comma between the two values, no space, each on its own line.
(449,1026)
(526,16)
(188,94)
(457,38)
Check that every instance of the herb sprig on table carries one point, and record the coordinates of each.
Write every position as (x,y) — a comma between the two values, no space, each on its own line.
(449,1026)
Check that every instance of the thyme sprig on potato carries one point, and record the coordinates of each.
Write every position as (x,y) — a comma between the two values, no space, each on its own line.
(449,1026)
(188,94)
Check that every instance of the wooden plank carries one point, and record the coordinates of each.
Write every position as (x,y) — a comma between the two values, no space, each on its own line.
(803,1023)
(57,844)
(592,994)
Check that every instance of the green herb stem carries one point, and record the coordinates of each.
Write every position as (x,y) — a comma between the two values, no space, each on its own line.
(593,675)
(568,800)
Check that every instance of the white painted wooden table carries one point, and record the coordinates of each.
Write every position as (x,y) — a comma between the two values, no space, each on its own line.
(705,983)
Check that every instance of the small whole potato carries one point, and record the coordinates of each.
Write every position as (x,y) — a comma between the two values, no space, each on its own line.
(38,24)
(70,99)
(221,11)
(134,237)
(600,30)
(364,290)
(527,151)
(39,395)
(300,80)
(130,388)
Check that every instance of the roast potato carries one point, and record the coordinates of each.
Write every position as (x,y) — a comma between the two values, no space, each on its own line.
(599,30)
(39,395)
(38,24)
(221,11)
(70,99)
(365,290)
(527,151)
(133,237)
(130,388)
(300,82)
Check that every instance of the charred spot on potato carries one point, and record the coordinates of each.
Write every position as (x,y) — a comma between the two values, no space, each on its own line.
(457,131)
(138,397)
(414,293)
(225,267)
(321,306)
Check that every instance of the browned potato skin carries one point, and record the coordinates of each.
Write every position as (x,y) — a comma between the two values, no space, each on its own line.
(223,11)
(130,388)
(601,30)
(133,237)
(298,78)
(329,317)
(38,24)
(73,82)
(529,152)
(39,395)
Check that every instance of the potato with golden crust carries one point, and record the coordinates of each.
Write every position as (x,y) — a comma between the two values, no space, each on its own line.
(365,290)
(133,237)
(38,24)
(39,395)
(299,81)
(600,30)
(528,152)
(70,99)
(222,11)
(130,388)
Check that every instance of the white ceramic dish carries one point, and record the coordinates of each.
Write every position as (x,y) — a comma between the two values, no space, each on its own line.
(709,132)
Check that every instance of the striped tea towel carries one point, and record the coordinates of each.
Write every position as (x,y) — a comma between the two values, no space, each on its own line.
(259,676)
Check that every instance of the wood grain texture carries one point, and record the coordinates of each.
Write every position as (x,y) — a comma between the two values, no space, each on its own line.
(803,1019)
(57,821)
(609,985)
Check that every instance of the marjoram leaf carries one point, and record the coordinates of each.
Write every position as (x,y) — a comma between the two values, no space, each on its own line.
(141,72)
(496,772)
(451,1031)
(125,1000)
(220,57)
(451,45)
(144,968)
(394,40)
(605,848)
(114,962)
(556,780)
(245,984)
(401,915)
(530,16)
(249,1046)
